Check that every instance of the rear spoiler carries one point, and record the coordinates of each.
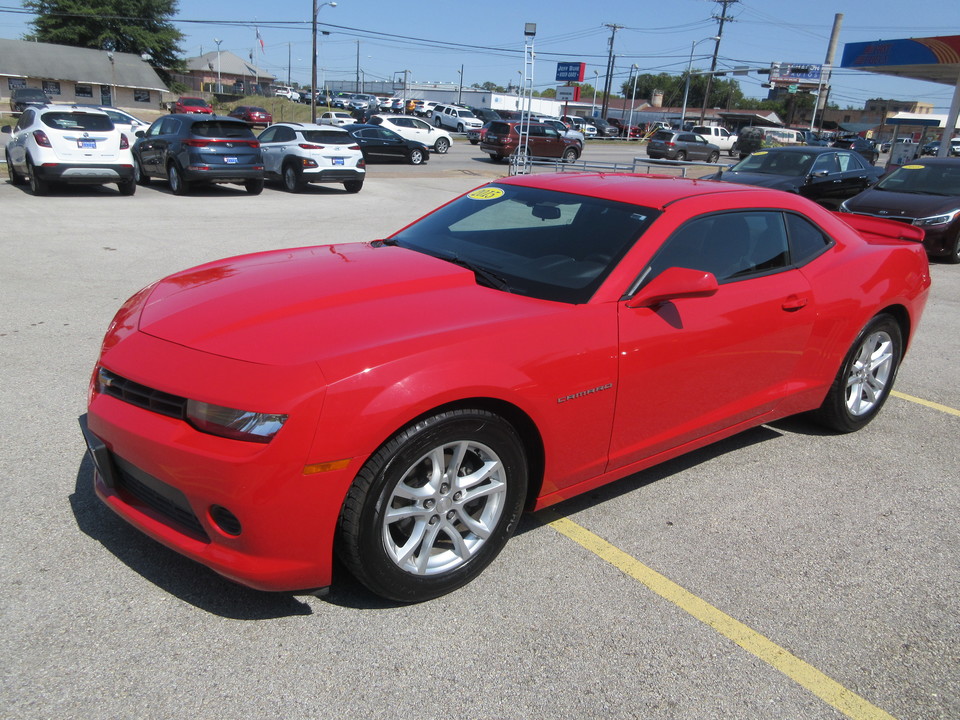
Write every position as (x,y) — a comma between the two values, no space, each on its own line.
(879,227)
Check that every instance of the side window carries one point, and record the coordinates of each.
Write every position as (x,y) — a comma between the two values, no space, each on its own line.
(730,245)
(285,134)
(828,162)
(268,135)
(168,126)
(26,119)
(849,161)
(806,240)
(418,124)
(551,132)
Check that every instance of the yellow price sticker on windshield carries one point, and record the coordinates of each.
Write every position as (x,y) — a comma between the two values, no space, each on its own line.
(760,152)
(486,193)
(913,167)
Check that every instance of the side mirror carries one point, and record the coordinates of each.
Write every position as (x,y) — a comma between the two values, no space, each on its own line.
(140,133)
(675,283)
(6,129)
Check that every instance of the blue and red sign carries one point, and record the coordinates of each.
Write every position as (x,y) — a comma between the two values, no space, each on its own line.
(890,53)
(570,71)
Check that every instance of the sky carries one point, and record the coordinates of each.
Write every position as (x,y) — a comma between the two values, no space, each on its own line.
(433,40)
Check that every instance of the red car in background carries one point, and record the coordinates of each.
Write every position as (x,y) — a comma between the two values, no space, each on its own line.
(192,105)
(401,402)
(252,115)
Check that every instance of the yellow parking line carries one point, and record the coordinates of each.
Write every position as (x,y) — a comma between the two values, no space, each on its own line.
(827,689)
(927,403)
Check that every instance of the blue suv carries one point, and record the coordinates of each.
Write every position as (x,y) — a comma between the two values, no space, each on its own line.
(199,149)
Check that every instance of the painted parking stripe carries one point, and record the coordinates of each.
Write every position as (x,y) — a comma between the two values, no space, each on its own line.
(926,403)
(824,687)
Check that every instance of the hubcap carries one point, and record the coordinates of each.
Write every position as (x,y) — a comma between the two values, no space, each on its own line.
(444,508)
(869,373)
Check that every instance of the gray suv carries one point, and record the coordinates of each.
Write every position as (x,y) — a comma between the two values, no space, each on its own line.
(681,145)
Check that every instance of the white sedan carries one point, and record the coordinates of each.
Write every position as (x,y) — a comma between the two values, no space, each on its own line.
(337,118)
(411,128)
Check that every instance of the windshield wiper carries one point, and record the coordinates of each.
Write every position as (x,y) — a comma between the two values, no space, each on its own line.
(490,278)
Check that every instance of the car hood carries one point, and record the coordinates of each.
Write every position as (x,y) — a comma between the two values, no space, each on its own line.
(896,204)
(778,182)
(289,307)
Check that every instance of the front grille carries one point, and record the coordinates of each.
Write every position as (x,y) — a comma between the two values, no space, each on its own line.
(142,396)
(164,499)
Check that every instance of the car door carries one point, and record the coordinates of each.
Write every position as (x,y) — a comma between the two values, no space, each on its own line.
(855,174)
(825,182)
(696,147)
(696,366)
(18,144)
(152,147)
(271,145)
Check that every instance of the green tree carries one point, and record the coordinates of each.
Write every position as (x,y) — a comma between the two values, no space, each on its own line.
(723,93)
(129,26)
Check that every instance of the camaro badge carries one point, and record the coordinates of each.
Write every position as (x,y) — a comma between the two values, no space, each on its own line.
(584,393)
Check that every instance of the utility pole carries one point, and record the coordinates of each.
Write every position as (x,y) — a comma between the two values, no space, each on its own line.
(716,51)
(609,79)
(821,104)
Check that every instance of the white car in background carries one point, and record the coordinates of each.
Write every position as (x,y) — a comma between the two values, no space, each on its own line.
(68,144)
(300,153)
(562,128)
(337,118)
(455,117)
(123,121)
(412,128)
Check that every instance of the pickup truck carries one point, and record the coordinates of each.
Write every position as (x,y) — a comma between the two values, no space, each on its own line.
(719,136)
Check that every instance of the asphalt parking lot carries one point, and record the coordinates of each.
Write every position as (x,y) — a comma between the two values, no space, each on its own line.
(783,573)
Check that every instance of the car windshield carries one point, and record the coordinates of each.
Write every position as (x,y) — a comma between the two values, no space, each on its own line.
(327,136)
(218,129)
(539,243)
(765,162)
(78,121)
(465,114)
(194,102)
(923,180)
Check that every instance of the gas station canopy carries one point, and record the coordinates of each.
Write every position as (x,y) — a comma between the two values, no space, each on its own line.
(934,59)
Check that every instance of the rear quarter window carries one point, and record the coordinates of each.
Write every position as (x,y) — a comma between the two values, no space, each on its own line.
(77,121)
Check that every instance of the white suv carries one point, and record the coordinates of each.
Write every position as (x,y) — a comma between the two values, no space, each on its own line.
(411,128)
(455,118)
(301,153)
(68,144)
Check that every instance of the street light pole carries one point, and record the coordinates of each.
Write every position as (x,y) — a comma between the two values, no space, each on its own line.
(313,65)
(219,84)
(460,87)
(686,87)
(633,97)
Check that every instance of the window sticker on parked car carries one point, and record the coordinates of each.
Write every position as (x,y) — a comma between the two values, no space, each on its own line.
(488,193)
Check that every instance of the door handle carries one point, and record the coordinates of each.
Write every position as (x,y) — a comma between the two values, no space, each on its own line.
(795,302)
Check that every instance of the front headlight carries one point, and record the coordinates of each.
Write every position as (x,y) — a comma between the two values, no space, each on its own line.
(937,219)
(235,424)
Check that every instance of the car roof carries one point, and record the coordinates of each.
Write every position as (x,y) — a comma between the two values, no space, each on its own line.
(641,189)
(310,126)
(815,149)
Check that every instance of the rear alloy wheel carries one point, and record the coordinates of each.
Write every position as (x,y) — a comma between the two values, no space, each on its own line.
(496,158)
(178,185)
(415,157)
(570,155)
(292,178)
(714,156)
(441,146)
(254,186)
(438,122)
(37,186)
(353,186)
(681,155)
(734,150)
(15,177)
(434,505)
(866,377)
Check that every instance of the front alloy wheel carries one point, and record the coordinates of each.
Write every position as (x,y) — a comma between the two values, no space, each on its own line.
(416,157)
(441,146)
(434,506)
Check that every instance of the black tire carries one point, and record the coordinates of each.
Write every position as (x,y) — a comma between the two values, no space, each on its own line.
(353,186)
(441,146)
(127,187)
(681,155)
(460,127)
(416,157)
(139,176)
(437,122)
(37,186)
(253,186)
(474,142)
(496,158)
(384,552)
(954,257)
(292,178)
(714,156)
(570,155)
(734,150)
(865,379)
(178,186)
(15,177)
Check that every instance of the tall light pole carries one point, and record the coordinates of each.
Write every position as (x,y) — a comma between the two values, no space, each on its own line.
(633,97)
(313,65)
(596,81)
(219,84)
(460,86)
(686,87)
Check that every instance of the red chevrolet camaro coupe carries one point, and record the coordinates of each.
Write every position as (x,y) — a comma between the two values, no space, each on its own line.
(401,402)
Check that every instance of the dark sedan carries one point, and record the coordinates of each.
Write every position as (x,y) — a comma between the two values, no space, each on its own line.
(824,174)
(924,193)
(381,144)
(859,145)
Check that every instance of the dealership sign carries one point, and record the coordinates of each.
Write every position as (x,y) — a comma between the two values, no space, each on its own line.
(795,73)
(568,93)
(570,71)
